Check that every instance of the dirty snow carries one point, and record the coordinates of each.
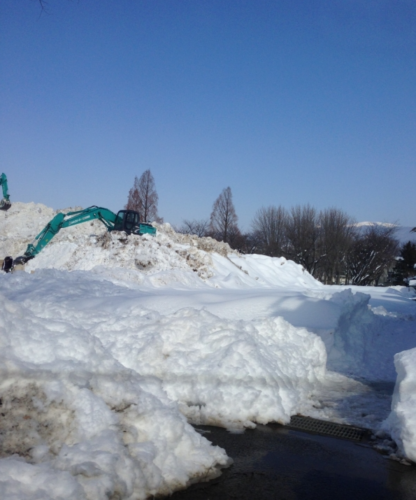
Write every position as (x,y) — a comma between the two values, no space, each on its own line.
(112,345)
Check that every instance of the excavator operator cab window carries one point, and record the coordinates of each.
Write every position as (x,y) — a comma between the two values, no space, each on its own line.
(127,220)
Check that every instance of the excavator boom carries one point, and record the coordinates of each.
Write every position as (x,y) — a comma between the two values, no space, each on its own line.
(5,201)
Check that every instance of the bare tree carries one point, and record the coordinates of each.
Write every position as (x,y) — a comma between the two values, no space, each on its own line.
(269,228)
(223,221)
(134,201)
(148,196)
(250,244)
(144,198)
(43,6)
(236,239)
(302,233)
(198,227)
(336,236)
(372,254)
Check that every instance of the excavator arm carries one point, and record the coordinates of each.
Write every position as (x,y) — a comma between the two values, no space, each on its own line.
(61,221)
(125,220)
(5,201)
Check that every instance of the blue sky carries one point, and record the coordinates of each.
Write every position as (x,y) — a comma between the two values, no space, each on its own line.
(287,102)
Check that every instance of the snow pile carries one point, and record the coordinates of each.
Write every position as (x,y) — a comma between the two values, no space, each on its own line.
(147,260)
(24,221)
(227,372)
(361,339)
(149,326)
(205,244)
(75,423)
(259,271)
(401,423)
(20,224)
(222,372)
(167,259)
(353,335)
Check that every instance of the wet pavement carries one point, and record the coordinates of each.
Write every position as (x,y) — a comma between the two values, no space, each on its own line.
(274,462)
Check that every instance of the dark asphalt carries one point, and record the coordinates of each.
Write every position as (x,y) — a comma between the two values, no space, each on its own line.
(274,462)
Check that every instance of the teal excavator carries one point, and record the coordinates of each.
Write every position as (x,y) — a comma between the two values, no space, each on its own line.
(5,201)
(125,220)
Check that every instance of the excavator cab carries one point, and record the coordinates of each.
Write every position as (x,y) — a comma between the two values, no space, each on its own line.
(127,221)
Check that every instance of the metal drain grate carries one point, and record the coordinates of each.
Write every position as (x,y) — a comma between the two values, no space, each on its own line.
(309,424)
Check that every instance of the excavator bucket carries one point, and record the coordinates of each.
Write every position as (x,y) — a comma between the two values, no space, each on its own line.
(7,265)
(5,205)
(21,261)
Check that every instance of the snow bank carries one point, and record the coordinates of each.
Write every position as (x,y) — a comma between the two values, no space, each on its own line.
(75,423)
(227,372)
(353,335)
(271,272)
(92,384)
(222,372)
(365,339)
(169,259)
(401,423)
(181,324)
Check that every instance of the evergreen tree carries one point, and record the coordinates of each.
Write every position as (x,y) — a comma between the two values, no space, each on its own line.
(405,265)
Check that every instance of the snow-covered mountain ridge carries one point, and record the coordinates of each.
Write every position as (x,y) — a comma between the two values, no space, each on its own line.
(402,233)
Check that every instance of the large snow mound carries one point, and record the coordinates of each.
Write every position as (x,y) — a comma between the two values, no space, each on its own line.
(72,412)
(169,258)
(401,423)
(227,372)
(92,384)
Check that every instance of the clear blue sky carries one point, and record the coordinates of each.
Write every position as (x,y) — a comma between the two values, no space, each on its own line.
(286,101)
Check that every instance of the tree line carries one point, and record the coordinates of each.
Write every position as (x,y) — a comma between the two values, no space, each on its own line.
(327,243)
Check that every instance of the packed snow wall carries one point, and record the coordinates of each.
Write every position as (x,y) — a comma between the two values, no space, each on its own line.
(401,423)
(75,423)
(221,371)
(353,336)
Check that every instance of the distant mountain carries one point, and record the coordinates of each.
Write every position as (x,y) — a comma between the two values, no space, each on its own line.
(402,233)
